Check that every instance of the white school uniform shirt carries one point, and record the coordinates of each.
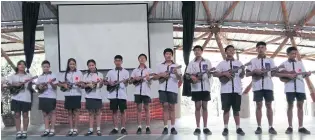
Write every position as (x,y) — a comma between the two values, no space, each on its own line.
(23,95)
(73,77)
(266,82)
(145,87)
(200,66)
(93,77)
(49,92)
(298,84)
(118,75)
(170,85)
(236,85)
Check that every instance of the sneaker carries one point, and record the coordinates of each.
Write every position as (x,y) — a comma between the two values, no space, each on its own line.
(75,133)
(197,131)
(240,131)
(24,136)
(147,130)
(173,131)
(225,132)
(272,131)
(165,131)
(18,135)
(51,134)
(70,133)
(289,130)
(139,131)
(45,134)
(123,131)
(258,130)
(304,131)
(207,131)
(89,133)
(113,132)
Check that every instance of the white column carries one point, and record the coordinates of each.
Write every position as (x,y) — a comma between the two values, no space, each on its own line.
(245,108)
(36,116)
(313,109)
(178,105)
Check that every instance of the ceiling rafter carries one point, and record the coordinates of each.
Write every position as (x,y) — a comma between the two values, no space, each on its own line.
(18,40)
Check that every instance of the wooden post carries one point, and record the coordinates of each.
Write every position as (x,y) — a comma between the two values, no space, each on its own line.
(217,37)
(6,57)
(207,41)
(201,36)
(152,8)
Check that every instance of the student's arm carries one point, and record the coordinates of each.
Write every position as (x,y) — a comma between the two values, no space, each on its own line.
(157,74)
(218,72)
(250,71)
(272,65)
(133,75)
(242,74)
(126,77)
(54,83)
(303,70)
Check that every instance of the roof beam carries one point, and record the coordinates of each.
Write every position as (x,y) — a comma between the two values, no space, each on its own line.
(152,8)
(207,10)
(218,39)
(52,8)
(284,42)
(201,36)
(308,56)
(207,41)
(8,37)
(285,14)
(269,42)
(22,53)
(305,20)
(293,43)
(227,13)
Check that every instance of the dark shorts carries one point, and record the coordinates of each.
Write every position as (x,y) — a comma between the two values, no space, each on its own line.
(114,104)
(139,99)
(261,94)
(200,96)
(72,102)
(229,100)
(47,104)
(20,106)
(292,95)
(167,97)
(93,104)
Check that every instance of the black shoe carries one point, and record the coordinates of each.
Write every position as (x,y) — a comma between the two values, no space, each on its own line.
(197,131)
(165,131)
(24,136)
(173,131)
(18,135)
(258,130)
(289,130)
(207,131)
(45,134)
(70,133)
(89,133)
(124,131)
(51,134)
(304,131)
(75,133)
(225,132)
(98,133)
(240,131)
(272,131)
(147,130)
(113,132)
(139,131)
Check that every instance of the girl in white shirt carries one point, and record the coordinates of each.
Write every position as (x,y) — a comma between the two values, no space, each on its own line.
(93,99)
(47,98)
(72,95)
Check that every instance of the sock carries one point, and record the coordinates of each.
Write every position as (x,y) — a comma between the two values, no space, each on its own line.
(270,126)
(300,127)
(204,127)
(116,128)
(71,130)
(75,130)
(226,126)
(147,126)
(173,126)
(259,126)
(98,128)
(290,126)
(52,130)
(198,128)
(237,126)
(24,131)
(91,129)
(139,126)
(19,132)
(122,128)
(47,130)
(165,126)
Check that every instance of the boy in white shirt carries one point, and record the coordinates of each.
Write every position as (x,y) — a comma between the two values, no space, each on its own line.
(295,88)
(118,97)
(168,75)
(232,90)
(200,87)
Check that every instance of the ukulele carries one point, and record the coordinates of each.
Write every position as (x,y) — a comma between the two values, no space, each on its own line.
(257,77)
(116,85)
(15,89)
(92,85)
(199,75)
(224,79)
(44,86)
(287,79)
(138,82)
(69,85)
(162,79)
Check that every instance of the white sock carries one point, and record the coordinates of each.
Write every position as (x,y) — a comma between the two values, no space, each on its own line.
(116,128)
(91,129)
(71,130)
(75,130)
(122,127)
(165,126)
(237,126)
(270,126)
(148,127)
(226,126)
(173,126)
(98,128)
(204,127)
(47,130)
(19,132)
(139,126)
(24,131)
(198,128)
(259,126)
(300,127)
(52,130)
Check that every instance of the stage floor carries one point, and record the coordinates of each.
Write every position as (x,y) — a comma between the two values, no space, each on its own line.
(185,127)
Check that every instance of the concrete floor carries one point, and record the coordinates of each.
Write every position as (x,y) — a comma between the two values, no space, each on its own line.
(185,127)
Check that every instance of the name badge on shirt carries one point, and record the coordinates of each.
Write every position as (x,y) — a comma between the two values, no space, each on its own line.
(172,69)
(267,66)
(235,67)
(204,67)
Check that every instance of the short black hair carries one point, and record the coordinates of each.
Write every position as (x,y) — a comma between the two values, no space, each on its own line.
(261,43)
(198,47)
(118,57)
(228,46)
(290,49)
(168,50)
(46,62)
(146,58)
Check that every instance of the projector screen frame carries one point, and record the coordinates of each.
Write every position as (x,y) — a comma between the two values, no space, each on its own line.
(148,35)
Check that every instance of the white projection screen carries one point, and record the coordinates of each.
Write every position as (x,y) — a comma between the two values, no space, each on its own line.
(100,32)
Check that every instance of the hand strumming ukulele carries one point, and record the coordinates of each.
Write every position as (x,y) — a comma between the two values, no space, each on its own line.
(67,86)
(90,86)
(224,79)
(163,79)
(116,85)
(138,82)
(42,87)
(199,75)
(257,77)
(16,88)
(287,79)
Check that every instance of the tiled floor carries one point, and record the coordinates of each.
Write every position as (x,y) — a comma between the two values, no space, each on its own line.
(185,126)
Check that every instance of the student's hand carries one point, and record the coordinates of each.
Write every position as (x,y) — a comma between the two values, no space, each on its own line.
(194,78)
(147,77)
(137,78)
(292,76)
(308,74)
(258,71)
(227,74)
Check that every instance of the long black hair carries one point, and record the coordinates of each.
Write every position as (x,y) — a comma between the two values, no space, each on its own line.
(68,68)
(17,65)
(87,63)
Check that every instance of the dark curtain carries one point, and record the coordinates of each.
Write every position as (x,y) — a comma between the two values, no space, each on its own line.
(30,12)
(188,14)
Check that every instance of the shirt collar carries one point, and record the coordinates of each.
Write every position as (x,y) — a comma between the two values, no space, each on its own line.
(259,56)
(202,59)
(144,67)
(47,73)
(165,62)
(291,60)
(230,59)
(118,68)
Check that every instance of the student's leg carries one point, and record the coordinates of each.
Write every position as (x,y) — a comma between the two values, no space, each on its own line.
(70,118)
(147,114)
(18,121)
(236,105)
(226,105)
(139,116)
(269,113)
(91,119)
(76,118)
(25,121)
(172,113)
(300,112)
(46,120)
(98,119)
(290,100)
(197,112)
(53,121)
(258,113)
(115,119)
(206,98)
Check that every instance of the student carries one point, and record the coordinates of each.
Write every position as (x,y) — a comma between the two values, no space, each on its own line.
(47,99)
(232,90)
(200,88)
(294,88)
(168,76)
(73,95)
(263,87)
(118,97)
(143,91)
(93,99)
(21,102)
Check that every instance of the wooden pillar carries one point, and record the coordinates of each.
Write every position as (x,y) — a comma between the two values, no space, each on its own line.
(207,40)
(217,38)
